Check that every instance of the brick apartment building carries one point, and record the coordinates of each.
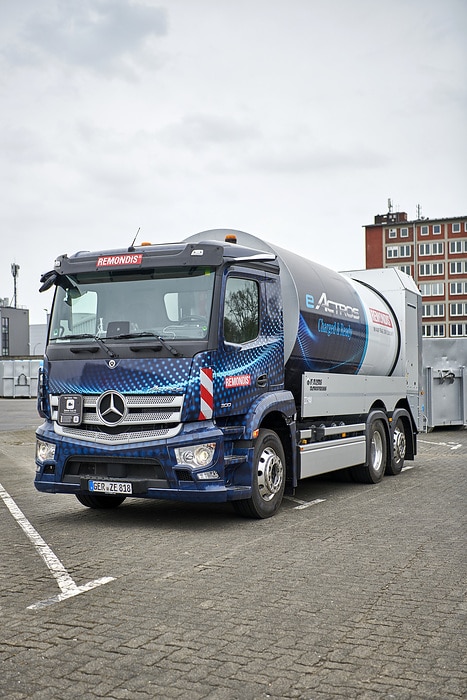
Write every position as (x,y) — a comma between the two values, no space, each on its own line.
(434,253)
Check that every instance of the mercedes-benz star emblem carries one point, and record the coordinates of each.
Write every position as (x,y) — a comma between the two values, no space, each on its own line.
(111,408)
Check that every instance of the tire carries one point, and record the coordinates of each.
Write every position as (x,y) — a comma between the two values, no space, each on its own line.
(268,478)
(99,501)
(373,471)
(399,442)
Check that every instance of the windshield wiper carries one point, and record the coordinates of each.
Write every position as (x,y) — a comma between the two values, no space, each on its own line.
(90,336)
(147,334)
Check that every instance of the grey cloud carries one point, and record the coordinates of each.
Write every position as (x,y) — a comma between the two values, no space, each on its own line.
(253,150)
(21,145)
(290,161)
(201,130)
(88,32)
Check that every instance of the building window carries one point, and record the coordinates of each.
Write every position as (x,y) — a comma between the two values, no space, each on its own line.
(437,289)
(431,248)
(456,228)
(392,252)
(406,268)
(432,289)
(458,309)
(436,228)
(404,232)
(458,246)
(426,269)
(5,336)
(458,329)
(424,230)
(429,310)
(458,288)
(458,268)
(465,225)
(433,330)
(392,233)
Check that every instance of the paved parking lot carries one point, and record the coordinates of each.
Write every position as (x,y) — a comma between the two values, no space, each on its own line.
(351,591)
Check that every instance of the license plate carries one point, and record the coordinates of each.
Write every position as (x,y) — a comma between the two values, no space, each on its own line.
(115,487)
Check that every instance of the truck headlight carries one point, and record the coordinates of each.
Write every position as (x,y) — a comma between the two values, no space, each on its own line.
(196,455)
(44,450)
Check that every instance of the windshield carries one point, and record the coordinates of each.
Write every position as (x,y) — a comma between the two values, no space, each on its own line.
(170,303)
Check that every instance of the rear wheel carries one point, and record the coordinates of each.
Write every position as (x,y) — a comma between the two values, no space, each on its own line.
(99,501)
(373,471)
(268,478)
(399,442)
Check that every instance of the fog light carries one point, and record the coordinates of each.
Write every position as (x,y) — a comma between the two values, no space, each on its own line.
(196,455)
(44,450)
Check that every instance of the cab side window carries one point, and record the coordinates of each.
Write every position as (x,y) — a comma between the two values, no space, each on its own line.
(241,310)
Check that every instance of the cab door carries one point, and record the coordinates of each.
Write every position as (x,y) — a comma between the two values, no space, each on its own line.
(250,351)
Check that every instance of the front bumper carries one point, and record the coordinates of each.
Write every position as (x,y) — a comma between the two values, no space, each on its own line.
(151,467)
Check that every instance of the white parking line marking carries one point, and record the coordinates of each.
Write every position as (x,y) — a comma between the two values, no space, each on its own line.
(451,445)
(66,584)
(304,504)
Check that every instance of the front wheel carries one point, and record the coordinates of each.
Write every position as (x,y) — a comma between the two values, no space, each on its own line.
(268,478)
(99,501)
(373,471)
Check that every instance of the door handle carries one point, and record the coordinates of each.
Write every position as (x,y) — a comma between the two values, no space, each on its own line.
(262,380)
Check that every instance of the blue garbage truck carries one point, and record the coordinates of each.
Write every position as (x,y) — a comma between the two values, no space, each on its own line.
(223,369)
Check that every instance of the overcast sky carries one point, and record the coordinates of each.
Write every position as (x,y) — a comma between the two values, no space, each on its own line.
(294,120)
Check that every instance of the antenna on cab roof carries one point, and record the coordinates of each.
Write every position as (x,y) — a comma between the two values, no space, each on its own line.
(132,247)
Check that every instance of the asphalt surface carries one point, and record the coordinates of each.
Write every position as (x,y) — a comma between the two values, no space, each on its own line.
(350,591)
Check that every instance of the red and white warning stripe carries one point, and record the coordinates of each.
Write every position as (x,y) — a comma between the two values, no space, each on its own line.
(206,394)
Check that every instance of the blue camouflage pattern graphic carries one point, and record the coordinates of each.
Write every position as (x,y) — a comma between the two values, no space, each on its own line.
(179,375)
(135,376)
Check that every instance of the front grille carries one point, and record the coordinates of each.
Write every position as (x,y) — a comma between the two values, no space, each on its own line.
(147,418)
(116,469)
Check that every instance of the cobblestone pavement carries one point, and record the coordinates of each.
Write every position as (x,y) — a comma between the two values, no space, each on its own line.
(359,595)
